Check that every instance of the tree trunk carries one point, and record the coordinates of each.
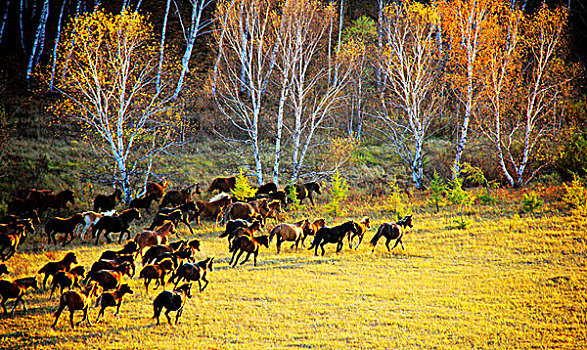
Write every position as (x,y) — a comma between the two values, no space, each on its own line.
(39,41)
(53,66)
(162,49)
(4,19)
(280,112)
(195,27)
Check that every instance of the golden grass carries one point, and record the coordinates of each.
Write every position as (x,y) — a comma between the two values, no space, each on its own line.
(505,282)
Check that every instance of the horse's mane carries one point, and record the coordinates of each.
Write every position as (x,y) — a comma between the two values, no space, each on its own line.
(219,196)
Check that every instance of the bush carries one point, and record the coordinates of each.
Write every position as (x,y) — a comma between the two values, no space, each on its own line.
(397,200)
(531,201)
(338,192)
(572,160)
(242,190)
(575,196)
(457,196)
(437,192)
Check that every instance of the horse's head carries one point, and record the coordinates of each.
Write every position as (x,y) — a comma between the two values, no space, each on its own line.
(67,195)
(131,246)
(28,282)
(197,189)
(70,258)
(125,289)
(186,289)
(79,219)
(407,221)
(366,221)
(194,244)
(4,269)
(313,186)
(263,240)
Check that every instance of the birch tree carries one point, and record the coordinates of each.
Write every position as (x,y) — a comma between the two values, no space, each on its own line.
(469,28)
(411,65)
(247,29)
(109,89)
(534,88)
(314,96)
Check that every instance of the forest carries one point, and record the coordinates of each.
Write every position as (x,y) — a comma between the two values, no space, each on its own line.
(441,145)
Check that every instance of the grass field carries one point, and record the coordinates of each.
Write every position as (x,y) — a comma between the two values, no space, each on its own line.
(504,282)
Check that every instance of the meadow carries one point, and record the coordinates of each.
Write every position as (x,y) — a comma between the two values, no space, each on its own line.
(509,280)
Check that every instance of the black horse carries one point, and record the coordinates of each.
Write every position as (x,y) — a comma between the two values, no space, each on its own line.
(334,234)
(115,223)
(392,231)
(173,301)
(304,191)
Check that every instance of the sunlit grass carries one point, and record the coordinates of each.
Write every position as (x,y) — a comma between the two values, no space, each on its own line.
(508,281)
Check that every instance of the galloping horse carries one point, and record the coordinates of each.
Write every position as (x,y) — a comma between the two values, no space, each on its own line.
(392,231)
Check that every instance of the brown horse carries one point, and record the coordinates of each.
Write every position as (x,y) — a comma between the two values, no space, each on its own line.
(392,231)
(143,202)
(247,244)
(52,267)
(175,198)
(150,238)
(240,210)
(108,299)
(11,235)
(304,191)
(223,184)
(157,188)
(290,232)
(193,272)
(75,300)
(63,225)
(106,203)
(16,290)
(334,234)
(266,188)
(214,207)
(363,225)
(27,200)
(156,272)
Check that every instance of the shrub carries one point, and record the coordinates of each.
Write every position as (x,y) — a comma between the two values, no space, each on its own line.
(531,201)
(242,190)
(475,174)
(397,200)
(575,196)
(338,192)
(456,195)
(437,192)
(572,159)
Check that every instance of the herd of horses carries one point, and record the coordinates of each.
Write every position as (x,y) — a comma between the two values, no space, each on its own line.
(103,285)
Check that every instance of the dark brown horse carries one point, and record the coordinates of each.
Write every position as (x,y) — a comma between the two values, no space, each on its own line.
(157,188)
(63,225)
(334,234)
(115,223)
(304,191)
(266,188)
(247,244)
(16,290)
(392,231)
(175,198)
(111,299)
(106,203)
(172,301)
(143,202)
(193,272)
(55,201)
(11,235)
(52,267)
(223,184)
(214,207)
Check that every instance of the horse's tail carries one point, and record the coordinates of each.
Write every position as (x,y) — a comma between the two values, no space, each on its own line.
(377,236)
(99,300)
(274,232)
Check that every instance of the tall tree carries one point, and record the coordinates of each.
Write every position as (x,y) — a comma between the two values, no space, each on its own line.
(412,66)
(247,29)
(109,88)
(468,25)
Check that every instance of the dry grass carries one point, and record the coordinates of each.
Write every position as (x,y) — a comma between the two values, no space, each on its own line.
(505,282)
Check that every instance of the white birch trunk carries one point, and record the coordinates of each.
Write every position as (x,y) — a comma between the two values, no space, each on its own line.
(39,41)
(162,48)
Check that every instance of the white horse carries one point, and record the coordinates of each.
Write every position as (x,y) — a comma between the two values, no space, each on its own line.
(91,218)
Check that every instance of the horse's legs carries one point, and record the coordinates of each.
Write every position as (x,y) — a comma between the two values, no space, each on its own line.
(401,243)
(45,280)
(97,233)
(101,313)
(232,258)
(396,243)
(4,300)
(339,245)
(238,257)
(122,236)
(71,318)
(387,243)
(311,198)
(118,308)
(167,315)
(205,280)
(360,240)
(246,258)
(255,258)
(147,281)
(179,312)
(18,300)
(322,246)
(58,313)
(278,244)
